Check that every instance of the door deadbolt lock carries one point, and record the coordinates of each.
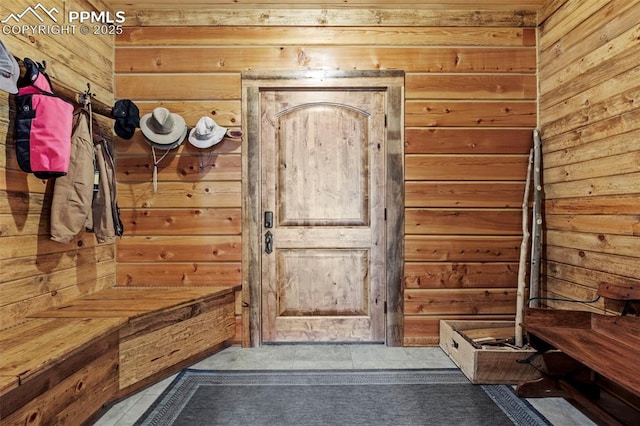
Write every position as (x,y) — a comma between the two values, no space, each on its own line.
(268,219)
(268,242)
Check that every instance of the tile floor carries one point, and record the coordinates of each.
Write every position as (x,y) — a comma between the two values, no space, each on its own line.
(305,357)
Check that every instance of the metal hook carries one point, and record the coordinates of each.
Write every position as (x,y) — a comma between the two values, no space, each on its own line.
(88,91)
(85,97)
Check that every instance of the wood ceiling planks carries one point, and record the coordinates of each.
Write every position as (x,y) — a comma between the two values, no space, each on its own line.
(332,4)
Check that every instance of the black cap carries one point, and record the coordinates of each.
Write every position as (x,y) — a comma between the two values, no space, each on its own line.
(127,118)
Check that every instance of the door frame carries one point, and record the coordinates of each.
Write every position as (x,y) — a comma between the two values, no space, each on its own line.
(392,83)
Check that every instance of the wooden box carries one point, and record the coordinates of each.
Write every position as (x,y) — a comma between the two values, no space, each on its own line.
(489,364)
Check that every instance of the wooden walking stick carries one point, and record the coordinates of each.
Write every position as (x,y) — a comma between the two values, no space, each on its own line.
(522,273)
(536,225)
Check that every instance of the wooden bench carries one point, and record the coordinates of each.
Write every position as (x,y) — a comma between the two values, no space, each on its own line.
(57,370)
(70,361)
(584,351)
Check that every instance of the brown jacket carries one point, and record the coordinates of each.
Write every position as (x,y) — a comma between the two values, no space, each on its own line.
(76,205)
(106,214)
(73,193)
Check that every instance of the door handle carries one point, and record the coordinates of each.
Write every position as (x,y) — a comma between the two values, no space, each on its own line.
(268,242)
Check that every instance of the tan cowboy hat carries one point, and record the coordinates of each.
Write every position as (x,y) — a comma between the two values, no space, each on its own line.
(163,129)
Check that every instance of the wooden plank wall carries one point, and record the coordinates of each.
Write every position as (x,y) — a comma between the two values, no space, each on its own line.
(590,120)
(37,273)
(469,114)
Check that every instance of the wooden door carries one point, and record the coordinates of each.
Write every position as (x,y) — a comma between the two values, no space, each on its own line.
(322,178)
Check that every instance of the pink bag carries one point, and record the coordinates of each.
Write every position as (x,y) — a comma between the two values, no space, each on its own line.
(43,126)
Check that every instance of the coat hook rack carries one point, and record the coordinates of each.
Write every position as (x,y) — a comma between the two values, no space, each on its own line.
(85,97)
(98,107)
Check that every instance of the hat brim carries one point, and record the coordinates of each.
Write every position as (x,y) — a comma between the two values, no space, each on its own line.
(216,136)
(179,127)
(164,146)
(10,84)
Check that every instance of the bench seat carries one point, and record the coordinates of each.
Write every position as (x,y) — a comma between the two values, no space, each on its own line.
(132,302)
(54,369)
(609,345)
(164,329)
(592,359)
(7,384)
(64,364)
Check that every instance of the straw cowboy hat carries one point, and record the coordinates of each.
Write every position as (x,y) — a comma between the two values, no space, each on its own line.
(163,129)
(206,133)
